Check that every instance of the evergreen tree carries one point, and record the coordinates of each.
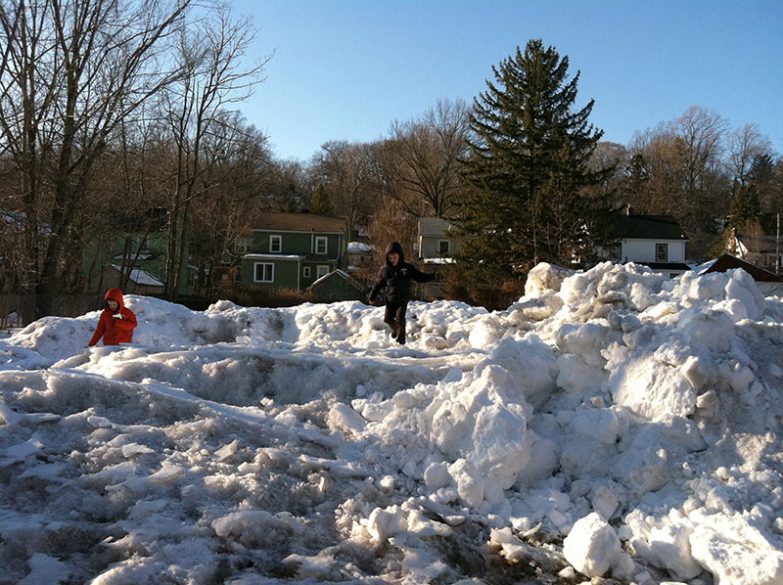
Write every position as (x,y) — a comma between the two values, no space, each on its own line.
(527,169)
(745,208)
(320,204)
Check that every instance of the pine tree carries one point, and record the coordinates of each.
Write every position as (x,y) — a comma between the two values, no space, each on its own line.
(320,204)
(527,167)
(745,209)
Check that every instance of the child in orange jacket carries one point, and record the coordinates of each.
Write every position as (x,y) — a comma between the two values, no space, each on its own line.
(117,322)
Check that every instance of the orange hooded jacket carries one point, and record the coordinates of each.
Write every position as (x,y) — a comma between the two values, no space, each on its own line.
(115,330)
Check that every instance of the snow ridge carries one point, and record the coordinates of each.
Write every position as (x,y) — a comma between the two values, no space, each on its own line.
(616,421)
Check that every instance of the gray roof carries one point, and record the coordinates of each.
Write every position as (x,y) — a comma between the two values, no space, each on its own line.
(434,226)
(646,227)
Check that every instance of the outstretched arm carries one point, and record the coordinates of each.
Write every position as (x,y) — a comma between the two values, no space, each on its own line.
(420,276)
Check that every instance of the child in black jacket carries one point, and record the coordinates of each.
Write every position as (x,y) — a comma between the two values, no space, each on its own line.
(395,279)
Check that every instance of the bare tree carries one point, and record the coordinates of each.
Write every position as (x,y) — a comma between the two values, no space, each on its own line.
(678,169)
(212,78)
(744,145)
(349,174)
(78,69)
(237,167)
(420,160)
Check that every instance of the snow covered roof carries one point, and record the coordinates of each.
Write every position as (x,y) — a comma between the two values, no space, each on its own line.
(359,248)
(131,257)
(291,257)
(140,276)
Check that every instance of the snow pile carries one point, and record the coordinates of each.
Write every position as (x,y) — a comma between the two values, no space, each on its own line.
(613,422)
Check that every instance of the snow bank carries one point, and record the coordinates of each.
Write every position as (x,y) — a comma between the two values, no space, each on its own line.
(634,418)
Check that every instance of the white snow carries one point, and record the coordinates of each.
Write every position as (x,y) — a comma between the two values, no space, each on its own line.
(610,423)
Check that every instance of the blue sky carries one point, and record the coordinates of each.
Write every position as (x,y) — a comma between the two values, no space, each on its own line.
(346,69)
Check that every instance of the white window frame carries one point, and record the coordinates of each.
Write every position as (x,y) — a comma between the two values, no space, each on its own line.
(264,279)
(307,272)
(321,270)
(665,248)
(275,238)
(321,240)
(448,247)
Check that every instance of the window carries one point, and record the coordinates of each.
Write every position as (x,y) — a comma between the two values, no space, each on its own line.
(321,270)
(615,252)
(661,252)
(443,247)
(320,244)
(275,244)
(264,272)
(307,272)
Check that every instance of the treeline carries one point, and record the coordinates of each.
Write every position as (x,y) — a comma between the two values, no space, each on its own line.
(122,119)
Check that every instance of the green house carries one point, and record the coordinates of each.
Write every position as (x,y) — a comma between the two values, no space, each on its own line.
(142,255)
(290,251)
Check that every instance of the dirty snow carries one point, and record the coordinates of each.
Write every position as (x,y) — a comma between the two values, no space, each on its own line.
(612,423)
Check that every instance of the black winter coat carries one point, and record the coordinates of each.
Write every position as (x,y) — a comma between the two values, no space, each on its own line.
(395,281)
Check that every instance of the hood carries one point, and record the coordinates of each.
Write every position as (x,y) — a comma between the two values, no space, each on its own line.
(395,247)
(114,294)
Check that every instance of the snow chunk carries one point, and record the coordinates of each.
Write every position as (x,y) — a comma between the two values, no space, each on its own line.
(736,553)
(593,548)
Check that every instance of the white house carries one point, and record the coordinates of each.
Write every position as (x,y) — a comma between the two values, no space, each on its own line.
(656,241)
(437,240)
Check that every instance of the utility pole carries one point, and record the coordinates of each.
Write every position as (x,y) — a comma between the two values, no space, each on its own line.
(777,246)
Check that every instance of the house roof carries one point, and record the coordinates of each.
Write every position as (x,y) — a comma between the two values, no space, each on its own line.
(337,274)
(298,222)
(433,226)
(646,227)
(728,262)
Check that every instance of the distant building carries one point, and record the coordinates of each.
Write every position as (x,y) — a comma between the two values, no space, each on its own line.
(768,282)
(359,256)
(656,241)
(290,251)
(337,286)
(437,240)
(761,250)
(437,247)
(139,281)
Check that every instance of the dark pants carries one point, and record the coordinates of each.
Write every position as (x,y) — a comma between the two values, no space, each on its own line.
(395,318)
